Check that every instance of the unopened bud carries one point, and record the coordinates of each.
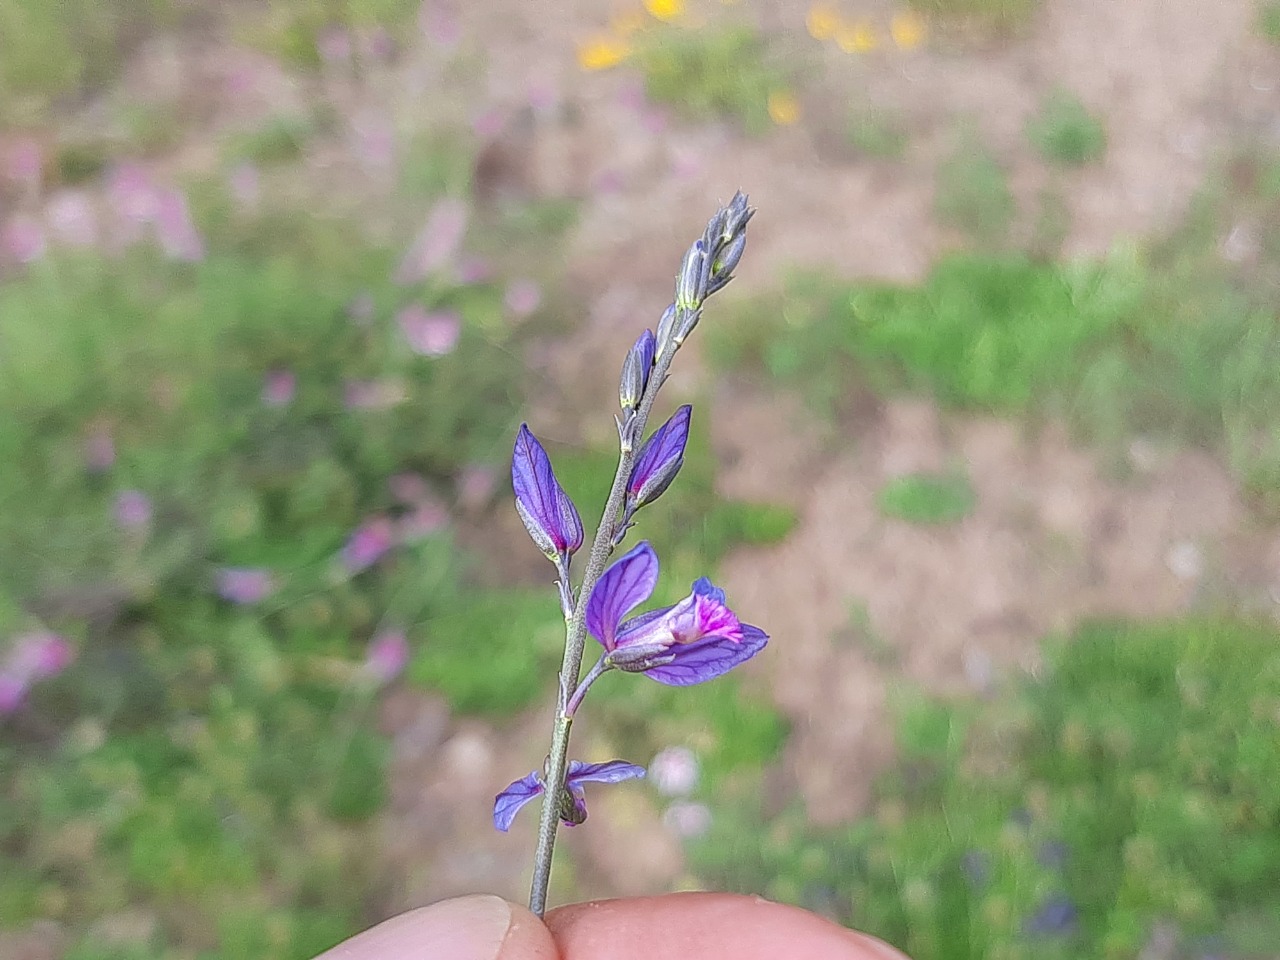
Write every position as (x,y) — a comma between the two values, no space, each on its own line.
(691,284)
(635,371)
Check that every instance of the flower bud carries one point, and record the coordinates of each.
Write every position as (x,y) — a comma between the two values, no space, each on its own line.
(546,510)
(635,371)
(659,460)
(722,269)
(691,283)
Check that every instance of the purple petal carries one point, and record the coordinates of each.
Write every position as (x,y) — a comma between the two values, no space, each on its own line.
(627,583)
(708,589)
(508,803)
(699,662)
(133,509)
(548,514)
(695,618)
(387,656)
(368,544)
(660,459)
(611,771)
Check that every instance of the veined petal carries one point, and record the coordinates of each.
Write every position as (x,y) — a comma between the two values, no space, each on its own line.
(659,459)
(611,771)
(508,803)
(708,659)
(627,583)
(549,515)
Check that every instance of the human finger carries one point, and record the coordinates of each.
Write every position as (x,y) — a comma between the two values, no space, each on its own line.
(705,926)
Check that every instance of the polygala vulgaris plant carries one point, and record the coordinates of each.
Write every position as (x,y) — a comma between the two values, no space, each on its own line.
(697,639)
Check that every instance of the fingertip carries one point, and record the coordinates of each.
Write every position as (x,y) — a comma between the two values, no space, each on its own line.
(478,927)
(705,925)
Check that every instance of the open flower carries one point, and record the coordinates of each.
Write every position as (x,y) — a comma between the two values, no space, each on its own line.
(574,810)
(695,640)
(548,514)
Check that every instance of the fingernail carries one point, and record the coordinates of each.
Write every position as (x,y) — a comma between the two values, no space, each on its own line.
(466,928)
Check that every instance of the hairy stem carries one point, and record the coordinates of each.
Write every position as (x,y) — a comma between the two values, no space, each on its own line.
(575,640)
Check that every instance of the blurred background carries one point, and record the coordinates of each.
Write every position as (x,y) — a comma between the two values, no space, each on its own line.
(985,437)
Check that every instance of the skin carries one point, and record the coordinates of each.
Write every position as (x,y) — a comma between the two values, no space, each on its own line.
(681,926)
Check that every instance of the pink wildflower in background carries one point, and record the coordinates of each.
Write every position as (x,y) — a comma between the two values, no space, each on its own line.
(430,333)
(387,656)
(439,22)
(99,450)
(279,387)
(245,586)
(175,230)
(477,484)
(473,270)
(522,298)
(430,516)
(408,488)
(33,657)
(22,240)
(24,162)
(488,123)
(72,219)
(373,141)
(436,243)
(377,44)
(674,771)
(132,193)
(334,45)
(368,544)
(133,510)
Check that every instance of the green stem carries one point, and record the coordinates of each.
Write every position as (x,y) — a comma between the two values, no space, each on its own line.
(575,641)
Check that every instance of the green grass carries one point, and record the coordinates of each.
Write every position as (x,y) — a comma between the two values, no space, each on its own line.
(875,133)
(712,73)
(1170,341)
(1269,20)
(1065,132)
(1001,16)
(1134,782)
(927,498)
(972,194)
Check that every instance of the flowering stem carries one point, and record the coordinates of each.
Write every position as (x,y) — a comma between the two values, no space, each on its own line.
(576,636)
(592,676)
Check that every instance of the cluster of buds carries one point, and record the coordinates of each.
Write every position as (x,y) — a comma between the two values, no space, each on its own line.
(692,641)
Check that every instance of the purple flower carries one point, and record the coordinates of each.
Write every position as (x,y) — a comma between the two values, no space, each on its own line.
(436,242)
(508,803)
(133,509)
(1056,917)
(387,656)
(245,585)
(695,640)
(548,514)
(659,460)
(368,544)
(430,334)
(278,388)
(33,657)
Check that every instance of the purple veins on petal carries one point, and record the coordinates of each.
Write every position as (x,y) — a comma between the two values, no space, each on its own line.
(659,459)
(628,582)
(708,659)
(548,514)
(509,802)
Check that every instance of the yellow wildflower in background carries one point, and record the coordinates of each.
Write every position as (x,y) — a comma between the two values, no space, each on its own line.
(822,20)
(857,37)
(665,10)
(907,30)
(602,52)
(784,109)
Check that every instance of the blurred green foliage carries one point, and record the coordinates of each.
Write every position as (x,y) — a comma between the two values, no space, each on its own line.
(1131,787)
(1269,20)
(927,498)
(1001,16)
(1177,341)
(1065,132)
(723,71)
(972,193)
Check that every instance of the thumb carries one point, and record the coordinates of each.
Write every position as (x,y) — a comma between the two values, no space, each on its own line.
(465,928)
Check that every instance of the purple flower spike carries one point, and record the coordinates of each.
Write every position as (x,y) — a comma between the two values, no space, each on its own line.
(548,514)
(696,640)
(508,803)
(659,460)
